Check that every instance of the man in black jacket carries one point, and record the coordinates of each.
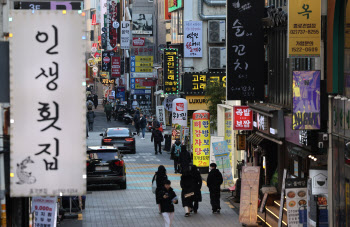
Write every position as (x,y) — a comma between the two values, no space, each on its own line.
(214,181)
(158,138)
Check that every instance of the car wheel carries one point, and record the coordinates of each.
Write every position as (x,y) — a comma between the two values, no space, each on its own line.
(123,185)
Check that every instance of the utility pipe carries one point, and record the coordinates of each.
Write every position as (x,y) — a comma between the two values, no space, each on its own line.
(210,3)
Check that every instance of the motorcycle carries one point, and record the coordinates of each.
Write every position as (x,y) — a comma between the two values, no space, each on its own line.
(127,118)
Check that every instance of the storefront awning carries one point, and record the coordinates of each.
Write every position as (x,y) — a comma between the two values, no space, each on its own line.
(264,108)
(299,151)
(255,139)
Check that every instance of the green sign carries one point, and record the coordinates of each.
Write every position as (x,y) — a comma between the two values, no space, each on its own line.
(174,5)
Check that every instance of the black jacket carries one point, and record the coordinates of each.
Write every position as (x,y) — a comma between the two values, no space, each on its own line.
(187,185)
(214,180)
(157,136)
(184,159)
(197,180)
(90,115)
(143,122)
(166,205)
(160,178)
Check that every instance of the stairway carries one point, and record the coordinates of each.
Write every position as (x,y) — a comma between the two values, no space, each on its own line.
(271,215)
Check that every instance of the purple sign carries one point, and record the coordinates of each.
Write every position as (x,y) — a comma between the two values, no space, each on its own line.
(306,100)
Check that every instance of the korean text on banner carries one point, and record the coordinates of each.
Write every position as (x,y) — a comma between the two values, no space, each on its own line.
(193,39)
(54,121)
(306,100)
(242,118)
(304,28)
(171,72)
(160,111)
(45,211)
(125,35)
(222,159)
(201,138)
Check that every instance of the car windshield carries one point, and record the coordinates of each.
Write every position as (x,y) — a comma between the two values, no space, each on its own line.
(117,132)
(101,155)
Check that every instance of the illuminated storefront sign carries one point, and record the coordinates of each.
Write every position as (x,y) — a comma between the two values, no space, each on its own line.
(201,138)
(196,82)
(174,5)
(171,77)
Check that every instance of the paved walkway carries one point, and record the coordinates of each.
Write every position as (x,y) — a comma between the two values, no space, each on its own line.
(136,206)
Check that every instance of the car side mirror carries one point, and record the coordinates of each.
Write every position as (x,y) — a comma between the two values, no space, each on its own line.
(134,133)
(101,134)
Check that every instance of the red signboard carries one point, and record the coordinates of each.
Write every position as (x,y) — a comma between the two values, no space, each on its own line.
(242,118)
(93,22)
(167,15)
(115,67)
(148,83)
(106,59)
(138,41)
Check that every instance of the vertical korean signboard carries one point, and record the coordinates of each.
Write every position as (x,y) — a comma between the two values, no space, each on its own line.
(171,76)
(115,67)
(242,118)
(304,28)
(306,100)
(245,50)
(201,138)
(43,88)
(125,35)
(193,39)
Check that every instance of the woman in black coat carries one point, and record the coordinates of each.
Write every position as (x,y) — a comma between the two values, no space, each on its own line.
(184,159)
(197,180)
(160,177)
(187,194)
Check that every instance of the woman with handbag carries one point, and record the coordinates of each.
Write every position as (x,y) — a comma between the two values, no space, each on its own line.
(158,182)
(187,194)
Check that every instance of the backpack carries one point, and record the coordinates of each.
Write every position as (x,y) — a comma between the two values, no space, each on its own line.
(177,150)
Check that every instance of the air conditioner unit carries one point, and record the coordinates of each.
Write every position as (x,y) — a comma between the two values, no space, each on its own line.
(217,57)
(216,31)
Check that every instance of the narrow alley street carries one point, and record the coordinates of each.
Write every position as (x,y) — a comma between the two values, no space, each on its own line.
(136,206)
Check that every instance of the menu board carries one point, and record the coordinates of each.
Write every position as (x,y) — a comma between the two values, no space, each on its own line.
(249,194)
(245,50)
(171,77)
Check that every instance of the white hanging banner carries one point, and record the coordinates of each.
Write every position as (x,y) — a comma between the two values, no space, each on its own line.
(193,39)
(160,111)
(125,35)
(48,148)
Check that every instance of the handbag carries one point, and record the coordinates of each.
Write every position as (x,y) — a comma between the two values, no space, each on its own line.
(189,195)
(154,185)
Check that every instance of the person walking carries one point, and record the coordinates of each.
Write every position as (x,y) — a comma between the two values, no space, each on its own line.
(187,193)
(95,101)
(137,122)
(90,115)
(155,123)
(197,180)
(213,182)
(158,138)
(167,198)
(184,159)
(175,155)
(143,124)
(89,104)
(159,176)
(108,111)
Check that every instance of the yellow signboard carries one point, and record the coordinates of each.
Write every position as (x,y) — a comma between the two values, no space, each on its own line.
(149,64)
(304,28)
(201,139)
(143,69)
(105,75)
(144,58)
(197,102)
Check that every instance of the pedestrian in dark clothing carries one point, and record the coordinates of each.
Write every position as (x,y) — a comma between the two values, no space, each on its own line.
(137,121)
(187,193)
(108,111)
(184,159)
(143,124)
(90,115)
(95,101)
(160,176)
(158,138)
(213,182)
(197,180)
(175,155)
(167,198)
(90,98)
(155,123)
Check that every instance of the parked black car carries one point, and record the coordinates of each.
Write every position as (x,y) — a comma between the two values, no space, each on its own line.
(119,137)
(105,165)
